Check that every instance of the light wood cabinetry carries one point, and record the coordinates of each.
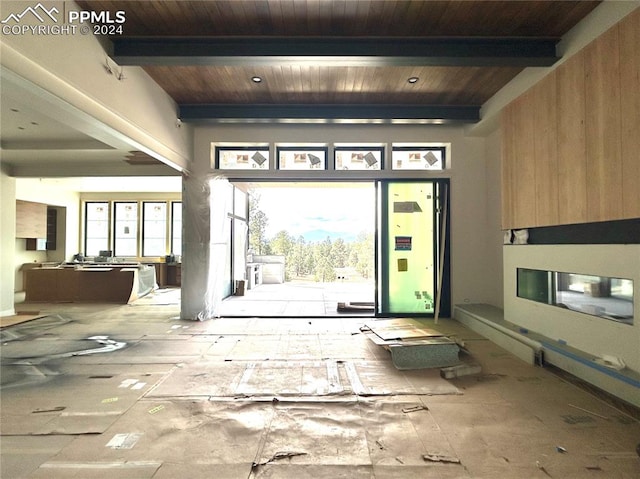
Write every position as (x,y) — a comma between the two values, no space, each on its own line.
(508,152)
(570,144)
(602,128)
(31,219)
(525,166)
(630,113)
(545,147)
(572,157)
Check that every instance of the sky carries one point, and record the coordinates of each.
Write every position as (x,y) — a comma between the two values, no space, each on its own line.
(317,210)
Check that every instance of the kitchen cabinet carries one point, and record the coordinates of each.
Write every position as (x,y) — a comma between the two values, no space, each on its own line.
(31,219)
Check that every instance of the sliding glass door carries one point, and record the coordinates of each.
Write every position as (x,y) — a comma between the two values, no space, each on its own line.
(413,260)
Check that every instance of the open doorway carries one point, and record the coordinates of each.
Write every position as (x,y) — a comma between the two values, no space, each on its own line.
(310,250)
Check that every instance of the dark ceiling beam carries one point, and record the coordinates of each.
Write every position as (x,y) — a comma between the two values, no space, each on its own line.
(419,114)
(335,51)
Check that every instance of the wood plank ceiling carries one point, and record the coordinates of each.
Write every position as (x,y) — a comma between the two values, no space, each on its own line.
(296,78)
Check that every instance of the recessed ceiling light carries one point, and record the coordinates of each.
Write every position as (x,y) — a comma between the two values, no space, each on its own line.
(413,79)
(256,79)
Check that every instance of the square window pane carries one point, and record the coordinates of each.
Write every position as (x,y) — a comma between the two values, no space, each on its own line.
(242,158)
(358,158)
(302,159)
(419,158)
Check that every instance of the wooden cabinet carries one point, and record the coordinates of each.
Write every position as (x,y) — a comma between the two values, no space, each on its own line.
(31,219)
(87,284)
(36,244)
(630,113)
(570,144)
(572,157)
(49,241)
(174,274)
(545,147)
(52,229)
(602,128)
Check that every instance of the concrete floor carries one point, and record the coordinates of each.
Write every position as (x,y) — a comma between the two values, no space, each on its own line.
(131,391)
(298,298)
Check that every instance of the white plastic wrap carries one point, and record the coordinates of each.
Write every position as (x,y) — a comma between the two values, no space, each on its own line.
(220,236)
(205,203)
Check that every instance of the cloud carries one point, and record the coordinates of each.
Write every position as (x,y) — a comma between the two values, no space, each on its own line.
(301,210)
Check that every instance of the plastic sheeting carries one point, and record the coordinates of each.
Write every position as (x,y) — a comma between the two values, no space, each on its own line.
(146,280)
(206,237)
(219,224)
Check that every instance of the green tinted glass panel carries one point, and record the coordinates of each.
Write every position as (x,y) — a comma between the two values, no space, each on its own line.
(410,248)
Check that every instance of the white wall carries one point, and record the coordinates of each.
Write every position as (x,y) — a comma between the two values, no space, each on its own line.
(72,68)
(7,242)
(474,251)
(593,335)
(493,178)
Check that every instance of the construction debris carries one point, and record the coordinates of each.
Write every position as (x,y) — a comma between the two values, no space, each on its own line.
(418,407)
(440,458)
(459,370)
(277,457)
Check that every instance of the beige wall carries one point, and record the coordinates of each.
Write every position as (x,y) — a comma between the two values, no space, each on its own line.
(7,242)
(135,111)
(493,250)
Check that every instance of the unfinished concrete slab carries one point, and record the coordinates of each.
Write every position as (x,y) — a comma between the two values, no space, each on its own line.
(286,398)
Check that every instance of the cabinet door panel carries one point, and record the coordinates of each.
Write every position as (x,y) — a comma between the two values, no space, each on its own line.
(546,151)
(508,166)
(602,126)
(572,159)
(524,214)
(31,219)
(630,113)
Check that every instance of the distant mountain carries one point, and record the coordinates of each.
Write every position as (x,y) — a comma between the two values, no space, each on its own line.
(314,236)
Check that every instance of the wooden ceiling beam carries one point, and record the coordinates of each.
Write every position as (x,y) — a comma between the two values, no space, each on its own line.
(335,51)
(339,113)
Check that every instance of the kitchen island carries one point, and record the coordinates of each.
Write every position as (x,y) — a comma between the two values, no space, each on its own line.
(99,283)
